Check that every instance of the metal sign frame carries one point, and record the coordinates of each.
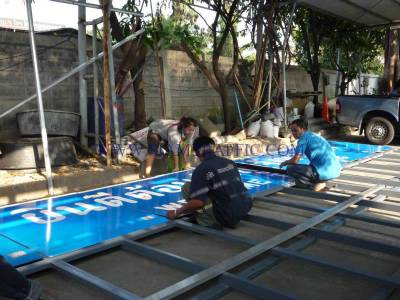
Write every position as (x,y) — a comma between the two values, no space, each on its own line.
(362,194)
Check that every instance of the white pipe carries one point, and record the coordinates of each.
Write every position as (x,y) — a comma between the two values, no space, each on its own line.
(43,131)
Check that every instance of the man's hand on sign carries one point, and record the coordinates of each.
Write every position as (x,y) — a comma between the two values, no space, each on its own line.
(172,214)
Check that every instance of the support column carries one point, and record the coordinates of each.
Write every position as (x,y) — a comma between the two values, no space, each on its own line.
(112,89)
(106,78)
(167,84)
(43,130)
(285,43)
(95,89)
(82,81)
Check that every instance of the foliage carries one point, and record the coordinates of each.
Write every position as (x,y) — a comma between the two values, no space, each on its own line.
(360,50)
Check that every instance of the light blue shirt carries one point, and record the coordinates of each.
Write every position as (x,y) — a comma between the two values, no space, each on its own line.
(320,154)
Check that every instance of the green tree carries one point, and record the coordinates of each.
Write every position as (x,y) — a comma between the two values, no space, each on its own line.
(193,41)
(360,50)
(311,28)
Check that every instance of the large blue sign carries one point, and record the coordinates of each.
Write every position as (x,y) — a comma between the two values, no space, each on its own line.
(63,224)
(346,152)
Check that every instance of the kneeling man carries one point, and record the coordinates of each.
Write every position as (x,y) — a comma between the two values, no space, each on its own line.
(324,164)
(216,193)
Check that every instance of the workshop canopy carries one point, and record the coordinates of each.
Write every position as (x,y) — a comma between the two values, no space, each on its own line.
(368,12)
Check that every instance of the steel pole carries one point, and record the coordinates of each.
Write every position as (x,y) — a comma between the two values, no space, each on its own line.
(92,5)
(106,79)
(285,43)
(271,63)
(82,81)
(112,90)
(43,130)
(95,88)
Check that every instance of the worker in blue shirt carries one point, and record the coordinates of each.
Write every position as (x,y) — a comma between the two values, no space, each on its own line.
(216,194)
(324,165)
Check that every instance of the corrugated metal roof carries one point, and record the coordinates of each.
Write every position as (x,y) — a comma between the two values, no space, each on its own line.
(368,12)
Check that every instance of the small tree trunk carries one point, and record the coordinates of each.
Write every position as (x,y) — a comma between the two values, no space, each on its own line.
(343,86)
(315,83)
(140,108)
(225,105)
(392,49)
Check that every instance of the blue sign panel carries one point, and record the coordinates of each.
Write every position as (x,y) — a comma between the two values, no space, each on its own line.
(63,224)
(346,152)
(16,254)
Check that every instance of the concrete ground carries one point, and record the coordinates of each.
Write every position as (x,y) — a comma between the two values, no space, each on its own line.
(303,280)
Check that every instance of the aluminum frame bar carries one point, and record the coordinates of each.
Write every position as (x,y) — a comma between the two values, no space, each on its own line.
(241,284)
(330,236)
(195,280)
(42,120)
(72,72)
(380,167)
(375,171)
(367,203)
(319,209)
(255,270)
(363,179)
(384,280)
(90,279)
(97,6)
(46,263)
(386,159)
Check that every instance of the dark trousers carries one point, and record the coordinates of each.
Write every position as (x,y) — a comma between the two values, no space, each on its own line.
(305,175)
(12,283)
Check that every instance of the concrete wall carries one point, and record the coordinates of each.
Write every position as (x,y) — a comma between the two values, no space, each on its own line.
(188,92)
(17,79)
(298,79)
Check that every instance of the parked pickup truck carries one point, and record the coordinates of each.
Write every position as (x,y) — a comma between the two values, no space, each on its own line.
(375,116)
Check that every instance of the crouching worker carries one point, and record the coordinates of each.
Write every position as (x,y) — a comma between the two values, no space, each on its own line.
(13,285)
(324,165)
(172,137)
(216,194)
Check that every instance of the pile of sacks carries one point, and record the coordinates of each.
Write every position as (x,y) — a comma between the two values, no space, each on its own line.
(267,128)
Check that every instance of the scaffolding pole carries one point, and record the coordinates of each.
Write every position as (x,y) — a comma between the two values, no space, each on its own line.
(95,88)
(285,43)
(43,130)
(92,5)
(82,81)
(112,91)
(106,78)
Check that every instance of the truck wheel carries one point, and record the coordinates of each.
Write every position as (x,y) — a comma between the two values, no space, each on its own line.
(379,130)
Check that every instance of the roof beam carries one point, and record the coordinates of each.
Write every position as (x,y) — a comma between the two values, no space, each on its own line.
(367,11)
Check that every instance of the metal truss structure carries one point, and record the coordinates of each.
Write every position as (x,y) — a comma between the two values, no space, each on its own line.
(350,198)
